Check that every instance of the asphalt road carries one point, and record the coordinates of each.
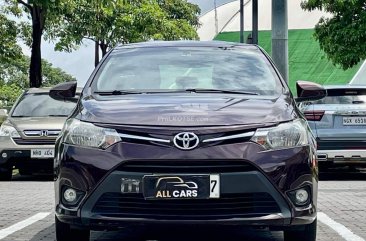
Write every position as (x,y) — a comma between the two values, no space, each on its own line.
(26,213)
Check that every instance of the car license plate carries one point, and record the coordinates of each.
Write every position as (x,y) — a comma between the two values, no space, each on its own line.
(42,153)
(354,121)
(181,186)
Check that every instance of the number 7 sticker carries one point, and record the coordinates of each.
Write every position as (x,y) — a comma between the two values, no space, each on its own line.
(214,186)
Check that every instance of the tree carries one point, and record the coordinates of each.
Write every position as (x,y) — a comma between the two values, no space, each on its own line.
(342,36)
(9,49)
(39,11)
(9,94)
(16,72)
(110,22)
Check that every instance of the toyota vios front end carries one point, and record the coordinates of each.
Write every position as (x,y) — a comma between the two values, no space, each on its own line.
(186,133)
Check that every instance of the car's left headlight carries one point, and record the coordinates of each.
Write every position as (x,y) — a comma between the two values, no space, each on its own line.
(86,134)
(8,130)
(290,134)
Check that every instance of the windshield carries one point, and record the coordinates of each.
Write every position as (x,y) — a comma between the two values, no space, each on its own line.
(42,105)
(172,69)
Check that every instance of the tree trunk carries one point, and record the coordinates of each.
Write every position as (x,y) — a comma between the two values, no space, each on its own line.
(35,70)
(96,55)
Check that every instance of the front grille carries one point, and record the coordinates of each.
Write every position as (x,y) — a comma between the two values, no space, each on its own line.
(20,141)
(34,133)
(186,166)
(340,145)
(227,207)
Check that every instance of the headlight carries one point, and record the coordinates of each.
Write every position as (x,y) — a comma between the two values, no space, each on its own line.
(285,135)
(8,130)
(85,134)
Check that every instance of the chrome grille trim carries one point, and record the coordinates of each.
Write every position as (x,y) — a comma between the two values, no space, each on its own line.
(39,132)
(143,138)
(225,138)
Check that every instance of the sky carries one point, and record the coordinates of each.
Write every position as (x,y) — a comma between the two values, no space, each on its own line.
(80,63)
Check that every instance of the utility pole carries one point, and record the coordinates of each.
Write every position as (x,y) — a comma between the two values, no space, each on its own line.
(255,22)
(216,19)
(241,21)
(280,36)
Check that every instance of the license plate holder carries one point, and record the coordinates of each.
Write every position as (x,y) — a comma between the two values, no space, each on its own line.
(42,153)
(354,120)
(160,187)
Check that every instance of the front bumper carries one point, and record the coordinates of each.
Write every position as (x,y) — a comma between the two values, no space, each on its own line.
(20,156)
(98,173)
(342,156)
(342,152)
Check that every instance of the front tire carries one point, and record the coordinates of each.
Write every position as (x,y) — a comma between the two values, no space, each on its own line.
(65,233)
(6,173)
(306,233)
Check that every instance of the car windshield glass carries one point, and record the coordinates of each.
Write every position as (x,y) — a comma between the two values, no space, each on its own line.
(345,99)
(171,69)
(41,105)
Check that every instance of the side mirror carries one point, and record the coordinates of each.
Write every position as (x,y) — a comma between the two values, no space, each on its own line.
(309,91)
(63,91)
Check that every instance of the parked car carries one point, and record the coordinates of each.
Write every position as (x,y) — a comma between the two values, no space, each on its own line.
(339,124)
(28,135)
(186,133)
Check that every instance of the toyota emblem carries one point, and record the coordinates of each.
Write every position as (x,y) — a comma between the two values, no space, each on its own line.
(186,141)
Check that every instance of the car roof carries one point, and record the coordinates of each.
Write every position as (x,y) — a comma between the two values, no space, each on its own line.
(45,90)
(186,43)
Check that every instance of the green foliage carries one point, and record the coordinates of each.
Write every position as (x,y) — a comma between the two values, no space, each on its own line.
(14,77)
(16,72)
(8,94)
(9,49)
(42,14)
(342,36)
(111,22)
(53,75)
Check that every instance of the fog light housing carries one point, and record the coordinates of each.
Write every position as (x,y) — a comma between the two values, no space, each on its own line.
(4,155)
(300,197)
(71,197)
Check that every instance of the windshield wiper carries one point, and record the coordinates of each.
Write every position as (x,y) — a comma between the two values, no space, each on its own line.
(221,91)
(118,92)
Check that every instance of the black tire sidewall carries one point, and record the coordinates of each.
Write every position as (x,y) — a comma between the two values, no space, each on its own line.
(5,173)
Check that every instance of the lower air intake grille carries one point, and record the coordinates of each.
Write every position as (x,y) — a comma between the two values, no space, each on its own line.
(35,142)
(227,207)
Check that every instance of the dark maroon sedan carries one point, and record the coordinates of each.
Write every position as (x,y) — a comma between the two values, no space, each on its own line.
(186,133)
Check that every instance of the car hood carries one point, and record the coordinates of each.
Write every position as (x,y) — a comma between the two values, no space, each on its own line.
(186,109)
(37,123)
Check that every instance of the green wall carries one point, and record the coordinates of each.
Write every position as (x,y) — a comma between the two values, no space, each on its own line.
(307,61)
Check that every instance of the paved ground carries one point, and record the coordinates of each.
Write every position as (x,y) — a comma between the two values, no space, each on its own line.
(342,203)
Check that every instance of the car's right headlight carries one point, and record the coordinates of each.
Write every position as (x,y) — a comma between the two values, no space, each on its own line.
(8,130)
(85,134)
(286,135)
